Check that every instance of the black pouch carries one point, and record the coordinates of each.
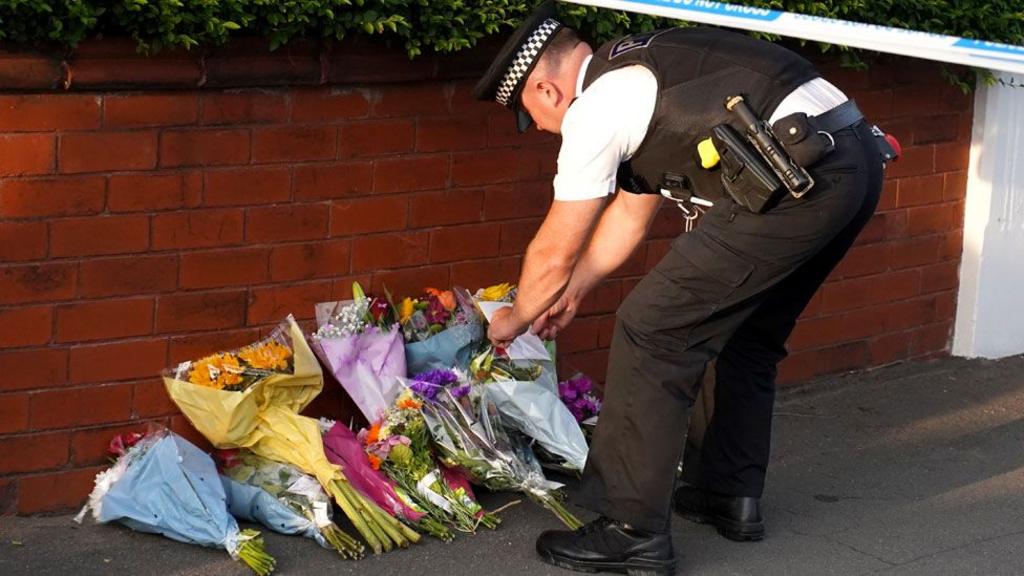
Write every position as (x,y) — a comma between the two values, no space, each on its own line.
(746,176)
(801,140)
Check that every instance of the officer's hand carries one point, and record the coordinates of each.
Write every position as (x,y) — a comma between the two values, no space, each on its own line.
(504,328)
(555,319)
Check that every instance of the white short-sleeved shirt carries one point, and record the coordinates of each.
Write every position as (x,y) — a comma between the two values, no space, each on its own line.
(608,121)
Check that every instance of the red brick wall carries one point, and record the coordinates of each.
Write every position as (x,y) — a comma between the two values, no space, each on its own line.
(141,228)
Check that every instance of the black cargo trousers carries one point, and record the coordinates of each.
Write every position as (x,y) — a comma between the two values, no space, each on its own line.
(732,289)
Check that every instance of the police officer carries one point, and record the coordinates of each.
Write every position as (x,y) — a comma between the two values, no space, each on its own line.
(631,116)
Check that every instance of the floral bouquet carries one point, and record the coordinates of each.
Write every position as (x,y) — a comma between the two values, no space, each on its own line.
(251,398)
(360,343)
(469,435)
(399,444)
(282,498)
(519,391)
(165,485)
(577,393)
(441,329)
(343,448)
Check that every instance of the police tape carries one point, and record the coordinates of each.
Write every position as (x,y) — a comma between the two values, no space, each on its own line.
(952,49)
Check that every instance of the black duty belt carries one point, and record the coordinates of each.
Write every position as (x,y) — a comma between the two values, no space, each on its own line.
(843,116)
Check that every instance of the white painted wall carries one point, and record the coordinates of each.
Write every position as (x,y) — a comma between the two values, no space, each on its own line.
(990,308)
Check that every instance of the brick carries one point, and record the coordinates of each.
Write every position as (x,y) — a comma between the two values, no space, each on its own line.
(832,360)
(919,190)
(603,299)
(207,147)
(244,107)
(606,330)
(99,278)
(847,294)
(375,138)
(897,285)
(8,489)
(90,447)
(196,346)
(915,252)
(198,229)
(502,131)
(37,283)
(931,338)
(537,161)
(864,260)
(43,197)
(952,245)
(389,251)
(310,260)
(516,236)
(485,167)
(106,151)
(30,453)
(482,273)
(48,112)
(150,399)
(915,161)
(247,187)
(931,219)
(895,224)
(593,363)
(321,182)
(20,241)
(874,103)
(27,369)
(916,100)
(446,207)
(888,348)
(27,154)
(320,105)
(13,413)
(273,304)
(668,222)
(351,217)
(410,281)
(464,102)
(939,277)
(421,172)
(104,319)
(154,192)
(222,268)
(150,109)
(25,326)
(952,156)
(25,70)
(412,100)
(297,143)
(954,99)
(59,491)
(289,222)
(117,361)
(464,242)
(874,230)
(184,312)
(954,185)
(451,133)
(579,336)
(633,266)
(945,305)
(101,235)
(80,406)
(932,129)
(517,200)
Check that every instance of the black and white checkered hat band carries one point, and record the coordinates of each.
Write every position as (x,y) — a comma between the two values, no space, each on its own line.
(524,58)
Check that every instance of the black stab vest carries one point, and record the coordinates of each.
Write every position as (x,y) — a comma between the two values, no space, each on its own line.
(696,69)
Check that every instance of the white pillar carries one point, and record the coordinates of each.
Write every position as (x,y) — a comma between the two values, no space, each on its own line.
(990,307)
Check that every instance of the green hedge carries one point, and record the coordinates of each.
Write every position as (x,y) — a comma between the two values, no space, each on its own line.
(428,25)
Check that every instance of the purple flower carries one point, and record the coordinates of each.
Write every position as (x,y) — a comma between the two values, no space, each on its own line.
(436,312)
(460,391)
(426,390)
(439,377)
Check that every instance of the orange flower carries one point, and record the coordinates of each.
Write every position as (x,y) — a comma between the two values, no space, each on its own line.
(447,298)
(374,461)
(373,435)
(409,404)
(217,371)
(268,356)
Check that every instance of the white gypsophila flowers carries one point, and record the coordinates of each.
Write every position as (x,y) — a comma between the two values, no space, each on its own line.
(351,319)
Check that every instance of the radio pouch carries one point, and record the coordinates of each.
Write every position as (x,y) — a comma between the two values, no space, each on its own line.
(746,176)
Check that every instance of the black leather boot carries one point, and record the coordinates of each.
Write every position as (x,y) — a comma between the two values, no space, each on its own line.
(606,545)
(736,517)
